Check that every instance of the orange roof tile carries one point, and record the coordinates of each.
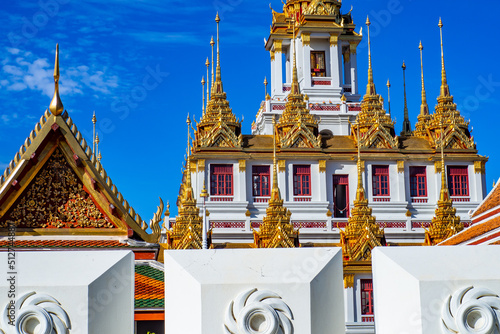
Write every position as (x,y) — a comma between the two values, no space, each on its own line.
(472,232)
(491,201)
(149,287)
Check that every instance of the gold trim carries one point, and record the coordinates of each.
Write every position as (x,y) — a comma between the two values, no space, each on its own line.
(348,281)
(334,39)
(242,165)
(201,165)
(278,45)
(272,55)
(401,166)
(353,47)
(281,166)
(306,39)
(479,167)
(437,166)
(322,166)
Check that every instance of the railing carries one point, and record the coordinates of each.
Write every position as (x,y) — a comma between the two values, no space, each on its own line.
(302,199)
(325,107)
(339,224)
(261,199)
(323,82)
(308,224)
(255,224)
(367,318)
(460,199)
(354,107)
(381,199)
(278,107)
(419,200)
(392,224)
(420,224)
(220,199)
(227,224)
(286,88)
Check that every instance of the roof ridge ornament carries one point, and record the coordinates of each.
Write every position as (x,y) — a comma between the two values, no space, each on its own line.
(406,122)
(56,106)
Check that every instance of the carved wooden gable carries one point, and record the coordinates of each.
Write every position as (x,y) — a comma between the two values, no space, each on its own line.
(55,198)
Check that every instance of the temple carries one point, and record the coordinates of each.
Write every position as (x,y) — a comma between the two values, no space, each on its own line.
(323,165)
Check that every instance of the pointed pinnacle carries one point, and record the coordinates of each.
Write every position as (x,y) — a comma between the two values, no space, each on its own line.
(420,46)
(56,107)
(217,18)
(368,21)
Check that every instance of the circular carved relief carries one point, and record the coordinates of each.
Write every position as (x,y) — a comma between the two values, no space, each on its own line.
(471,310)
(258,312)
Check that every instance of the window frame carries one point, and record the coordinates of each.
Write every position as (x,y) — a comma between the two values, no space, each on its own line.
(343,179)
(260,174)
(318,72)
(417,189)
(366,293)
(377,181)
(459,179)
(302,185)
(226,177)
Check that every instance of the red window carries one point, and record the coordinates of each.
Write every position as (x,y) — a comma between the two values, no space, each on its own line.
(341,196)
(380,180)
(366,297)
(302,180)
(418,182)
(458,180)
(221,180)
(260,180)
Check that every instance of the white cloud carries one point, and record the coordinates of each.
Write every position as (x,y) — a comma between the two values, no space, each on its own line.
(25,71)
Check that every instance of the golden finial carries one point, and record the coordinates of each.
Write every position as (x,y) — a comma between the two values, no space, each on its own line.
(275,191)
(265,86)
(56,107)
(204,192)
(188,162)
(343,98)
(94,121)
(212,43)
(406,122)
(99,157)
(203,95)
(389,95)
(360,179)
(445,90)
(370,87)
(207,63)
(167,212)
(424,108)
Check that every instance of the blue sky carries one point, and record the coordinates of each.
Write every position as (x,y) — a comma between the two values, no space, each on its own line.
(139,64)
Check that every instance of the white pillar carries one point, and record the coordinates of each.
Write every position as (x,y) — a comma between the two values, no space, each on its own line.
(241,184)
(277,79)
(335,59)
(306,62)
(354,69)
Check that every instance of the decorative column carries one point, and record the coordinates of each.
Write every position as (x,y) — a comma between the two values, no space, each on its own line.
(241,194)
(306,60)
(335,58)
(354,68)
(277,78)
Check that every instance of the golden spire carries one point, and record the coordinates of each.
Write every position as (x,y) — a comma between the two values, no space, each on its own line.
(207,63)
(445,223)
(275,192)
(94,121)
(360,192)
(203,94)
(217,84)
(212,43)
(424,108)
(406,122)
(276,229)
(370,87)
(295,81)
(389,96)
(188,167)
(265,87)
(56,107)
(445,90)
